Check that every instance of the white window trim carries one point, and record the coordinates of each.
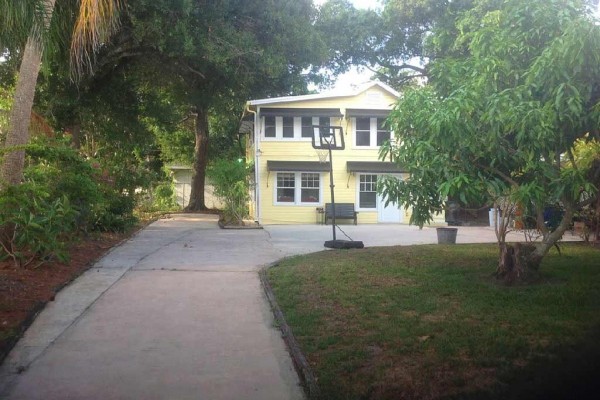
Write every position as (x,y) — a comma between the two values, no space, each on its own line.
(372,132)
(358,207)
(279,130)
(298,190)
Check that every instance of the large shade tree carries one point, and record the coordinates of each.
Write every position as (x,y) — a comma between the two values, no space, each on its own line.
(499,119)
(25,27)
(392,41)
(222,53)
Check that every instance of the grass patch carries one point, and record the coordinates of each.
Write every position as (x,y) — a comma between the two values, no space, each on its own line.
(430,322)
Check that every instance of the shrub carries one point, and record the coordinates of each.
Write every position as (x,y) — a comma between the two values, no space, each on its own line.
(230,180)
(53,164)
(115,214)
(33,226)
(160,198)
(163,197)
(61,171)
(62,194)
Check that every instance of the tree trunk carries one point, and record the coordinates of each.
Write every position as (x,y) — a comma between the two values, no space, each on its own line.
(520,262)
(517,263)
(11,170)
(200,162)
(75,131)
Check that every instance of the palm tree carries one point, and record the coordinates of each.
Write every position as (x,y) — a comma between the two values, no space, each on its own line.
(96,20)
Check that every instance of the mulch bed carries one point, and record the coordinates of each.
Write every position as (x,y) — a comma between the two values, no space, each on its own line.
(25,291)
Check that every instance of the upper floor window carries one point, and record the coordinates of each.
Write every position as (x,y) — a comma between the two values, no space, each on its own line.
(269,126)
(307,127)
(363,131)
(383,134)
(287,127)
(292,128)
(370,132)
(323,121)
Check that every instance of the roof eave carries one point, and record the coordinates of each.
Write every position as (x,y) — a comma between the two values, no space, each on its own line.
(322,96)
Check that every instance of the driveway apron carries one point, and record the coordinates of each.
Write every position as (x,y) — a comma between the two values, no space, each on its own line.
(177,312)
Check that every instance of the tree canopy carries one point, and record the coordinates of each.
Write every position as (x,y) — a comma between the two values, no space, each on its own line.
(219,54)
(179,69)
(501,113)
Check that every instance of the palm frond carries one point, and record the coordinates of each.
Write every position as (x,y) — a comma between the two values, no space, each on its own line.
(21,20)
(96,21)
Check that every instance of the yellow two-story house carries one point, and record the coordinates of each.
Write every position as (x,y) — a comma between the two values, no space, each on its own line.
(291,182)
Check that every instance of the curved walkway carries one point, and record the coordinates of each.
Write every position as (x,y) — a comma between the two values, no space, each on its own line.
(178,312)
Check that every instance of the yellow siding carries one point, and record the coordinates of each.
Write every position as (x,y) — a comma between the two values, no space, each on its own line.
(345,183)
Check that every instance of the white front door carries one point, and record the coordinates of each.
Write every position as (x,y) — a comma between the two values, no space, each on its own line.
(388,214)
(391,213)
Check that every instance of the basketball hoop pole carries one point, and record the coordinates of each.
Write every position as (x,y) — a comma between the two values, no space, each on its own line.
(327,140)
(332,186)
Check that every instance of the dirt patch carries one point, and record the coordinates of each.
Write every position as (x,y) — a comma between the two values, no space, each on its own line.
(25,291)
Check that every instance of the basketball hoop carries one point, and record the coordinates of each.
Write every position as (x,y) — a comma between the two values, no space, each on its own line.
(322,154)
(325,139)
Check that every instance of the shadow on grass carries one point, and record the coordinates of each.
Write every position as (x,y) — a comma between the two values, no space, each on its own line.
(567,372)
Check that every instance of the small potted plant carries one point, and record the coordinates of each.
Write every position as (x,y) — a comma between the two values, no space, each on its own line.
(446,235)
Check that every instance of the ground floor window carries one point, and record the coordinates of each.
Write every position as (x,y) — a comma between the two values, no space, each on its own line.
(286,187)
(367,191)
(298,188)
(310,187)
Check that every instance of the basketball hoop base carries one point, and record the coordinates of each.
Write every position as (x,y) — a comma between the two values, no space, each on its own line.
(344,244)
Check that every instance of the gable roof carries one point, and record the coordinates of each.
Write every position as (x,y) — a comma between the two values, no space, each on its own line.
(325,95)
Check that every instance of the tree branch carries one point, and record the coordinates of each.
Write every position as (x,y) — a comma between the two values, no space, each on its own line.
(541,225)
(501,174)
(192,70)
(420,70)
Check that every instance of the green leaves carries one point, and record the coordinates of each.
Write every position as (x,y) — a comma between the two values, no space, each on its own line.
(34,227)
(230,180)
(497,120)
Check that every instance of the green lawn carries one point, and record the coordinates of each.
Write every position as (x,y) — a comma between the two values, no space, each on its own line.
(425,322)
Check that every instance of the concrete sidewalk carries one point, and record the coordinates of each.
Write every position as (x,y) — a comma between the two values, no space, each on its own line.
(178,312)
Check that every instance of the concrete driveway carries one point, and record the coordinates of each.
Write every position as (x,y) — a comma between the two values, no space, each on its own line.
(177,312)
(301,239)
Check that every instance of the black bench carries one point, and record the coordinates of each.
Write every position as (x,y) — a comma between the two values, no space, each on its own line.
(342,211)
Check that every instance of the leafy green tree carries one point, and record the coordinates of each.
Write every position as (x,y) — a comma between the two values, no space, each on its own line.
(222,53)
(33,19)
(500,121)
(349,35)
(395,43)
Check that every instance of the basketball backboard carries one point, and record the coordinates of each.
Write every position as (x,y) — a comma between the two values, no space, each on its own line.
(328,137)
